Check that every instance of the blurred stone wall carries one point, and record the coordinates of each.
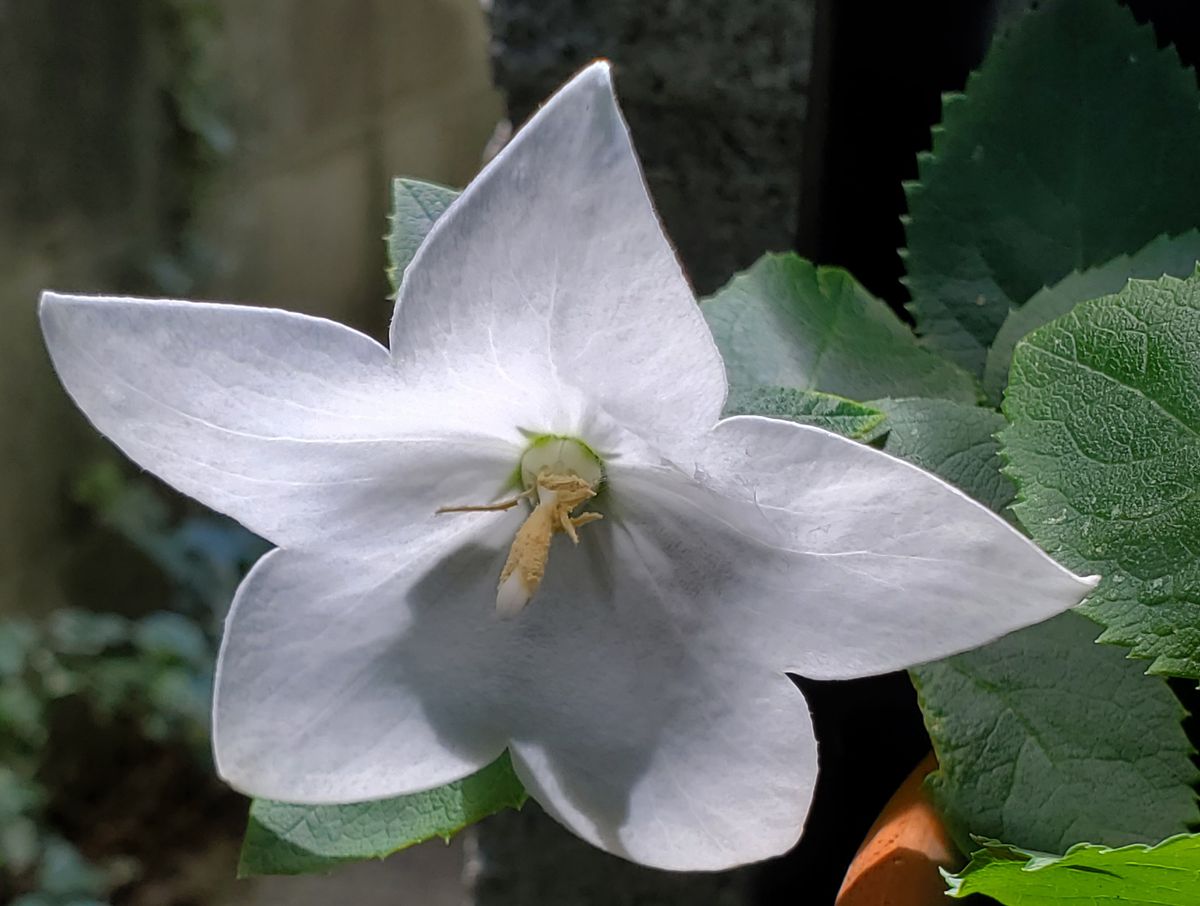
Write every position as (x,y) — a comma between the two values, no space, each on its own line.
(210,147)
(716,95)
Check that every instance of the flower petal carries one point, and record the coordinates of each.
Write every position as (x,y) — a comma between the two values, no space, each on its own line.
(319,698)
(639,725)
(553,269)
(629,715)
(849,562)
(297,427)
(684,777)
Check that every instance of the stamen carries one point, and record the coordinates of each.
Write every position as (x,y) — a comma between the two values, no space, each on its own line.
(560,475)
(525,567)
(486,507)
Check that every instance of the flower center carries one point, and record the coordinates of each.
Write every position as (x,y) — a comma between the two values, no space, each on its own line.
(558,475)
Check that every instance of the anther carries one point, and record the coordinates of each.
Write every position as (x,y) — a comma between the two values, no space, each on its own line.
(560,475)
(558,496)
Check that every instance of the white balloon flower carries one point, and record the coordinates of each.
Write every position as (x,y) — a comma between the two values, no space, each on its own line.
(548,356)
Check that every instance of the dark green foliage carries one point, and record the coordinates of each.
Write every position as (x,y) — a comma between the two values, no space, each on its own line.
(1074,143)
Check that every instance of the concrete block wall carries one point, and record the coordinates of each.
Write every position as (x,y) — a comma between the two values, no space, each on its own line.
(330,101)
(79,174)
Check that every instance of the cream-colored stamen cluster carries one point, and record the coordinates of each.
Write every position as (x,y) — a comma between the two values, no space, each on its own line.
(557,497)
(559,476)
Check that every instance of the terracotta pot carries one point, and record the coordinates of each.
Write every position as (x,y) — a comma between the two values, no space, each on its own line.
(898,863)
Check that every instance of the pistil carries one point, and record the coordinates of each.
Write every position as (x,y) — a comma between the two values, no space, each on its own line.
(558,496)
(559,475)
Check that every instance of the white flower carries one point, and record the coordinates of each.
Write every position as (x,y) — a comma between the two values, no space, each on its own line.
(543,333)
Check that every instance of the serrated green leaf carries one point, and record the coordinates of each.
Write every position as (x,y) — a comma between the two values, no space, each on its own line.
(1172,255)
(284,839)
(1042,737)
(786,323)
(1104,446)
(1045,738)
(955,441)
(1167,874)
(416,206)
(856,421)
(1074,143)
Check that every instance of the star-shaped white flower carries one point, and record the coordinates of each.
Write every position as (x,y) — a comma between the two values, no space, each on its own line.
(545,342)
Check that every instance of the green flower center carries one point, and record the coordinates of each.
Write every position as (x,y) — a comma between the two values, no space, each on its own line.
(559,455)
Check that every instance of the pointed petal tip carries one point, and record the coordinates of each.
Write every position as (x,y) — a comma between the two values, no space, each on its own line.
(596,76)
(69,304)
(44,304)
(600,68)
(53,312)
(49,299)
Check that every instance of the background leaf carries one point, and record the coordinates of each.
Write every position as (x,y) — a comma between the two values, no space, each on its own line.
(296,839)
(1105,448)
(415,207)
(955,441)
(786,323)
(1164,875)
(1055,159)
(857,421)
(1045,738)
(1172,255)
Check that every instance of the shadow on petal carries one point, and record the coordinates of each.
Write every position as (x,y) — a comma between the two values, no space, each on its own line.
(632,716)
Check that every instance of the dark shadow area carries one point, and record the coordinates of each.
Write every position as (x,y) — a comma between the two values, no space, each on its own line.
(1189,696)
(886,67)
(869,738)
(621,684)
(885,70)
(1175,23)
(558,680)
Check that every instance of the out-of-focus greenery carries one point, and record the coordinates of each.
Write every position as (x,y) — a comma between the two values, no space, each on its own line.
(77,675)
(145,679)
(199,136)
(203,556)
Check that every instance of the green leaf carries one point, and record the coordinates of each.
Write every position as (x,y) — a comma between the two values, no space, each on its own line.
(1167,874)
(415,207)
(807,407)
(284,839)
(786,323)
(955,441)
(1044,738)
(1074,143)
(1176,256)
(1104,446)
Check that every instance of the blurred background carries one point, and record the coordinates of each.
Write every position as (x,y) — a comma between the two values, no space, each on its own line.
(243,151)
